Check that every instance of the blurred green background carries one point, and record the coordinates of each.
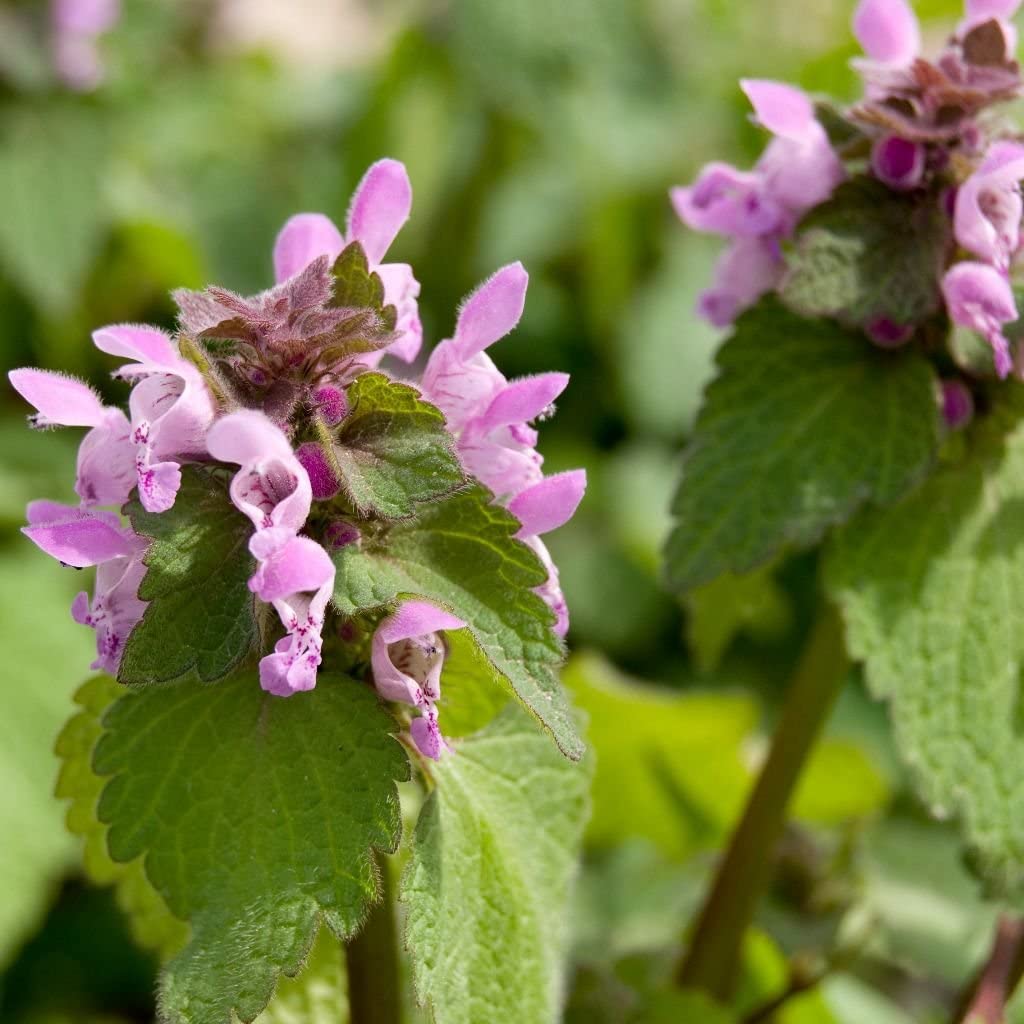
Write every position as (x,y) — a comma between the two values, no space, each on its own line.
(546,132)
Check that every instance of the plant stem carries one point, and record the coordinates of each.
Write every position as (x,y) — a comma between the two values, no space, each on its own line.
(985,1000)
(371,960)
(713,955)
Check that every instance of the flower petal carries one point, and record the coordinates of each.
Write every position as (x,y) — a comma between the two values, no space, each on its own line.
(549,504)
(77,537)
(380,206)
(297,567)
(492,310)
(783,109)
(303,238)
(60,400)
(413,618)
(524,400)
(887,30)
(146,345)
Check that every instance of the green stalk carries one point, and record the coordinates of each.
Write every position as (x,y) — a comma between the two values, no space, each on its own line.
(713,956)
(371,960)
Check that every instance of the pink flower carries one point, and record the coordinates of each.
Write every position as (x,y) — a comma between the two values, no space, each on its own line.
(272,488)
(748,269)
(296,575)
(729,202)
(170,405)
(542,508)
(979,297)
(957,404)
(888,31)
(407,656)
(106,457)
(77,25)
(379,208)
(799,167)
(988,207)
(83,537)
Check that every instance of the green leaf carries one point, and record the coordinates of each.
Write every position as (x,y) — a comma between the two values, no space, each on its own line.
(319,995)
(356,287)
(669,765)
(152,924)
(839,782)
(487,886)
(393,450)
(932,594)
(462,553)
(45,653)
(869,252)
(201,614)
(804,423)
(257,817)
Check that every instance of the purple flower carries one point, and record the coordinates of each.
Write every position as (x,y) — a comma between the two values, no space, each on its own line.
(725,201)
(106,457)
(988,205)
(296,575)
(77,25)
(748,269)
(272,488)
(170,405)
(407,656)
(979,297)
(318,468)
(957,404)
(898,163)
(85,537)
(887,31)
(379,208)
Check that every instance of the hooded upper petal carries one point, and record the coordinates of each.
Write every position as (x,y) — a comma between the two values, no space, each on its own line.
(988,207)
(76,536)
(493,310)
(148,346)
(303,238)
(887,30)
(380,206)
(549,504)
(59,400)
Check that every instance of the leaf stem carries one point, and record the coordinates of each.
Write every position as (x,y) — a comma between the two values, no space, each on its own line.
(371,959)
(986,998)
(712,957)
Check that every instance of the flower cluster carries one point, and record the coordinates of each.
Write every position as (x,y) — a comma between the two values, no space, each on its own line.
(77,26)
(257,384)
(921,127)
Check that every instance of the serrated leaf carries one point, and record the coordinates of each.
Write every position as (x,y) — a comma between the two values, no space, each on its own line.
(932,594)
(462,553)
(487,886)
(201,614)
(357,287)
(152,924)
(319,995)
(257,818)
(804,423)
(393,450)
(869,252)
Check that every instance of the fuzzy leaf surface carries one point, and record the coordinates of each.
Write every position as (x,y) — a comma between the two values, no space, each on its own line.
(804,423)
(932,594)
(152,924)
(462,553)
(488,884)
(257,818)
(393,450)
(201,617)
(357,287)
(869,252)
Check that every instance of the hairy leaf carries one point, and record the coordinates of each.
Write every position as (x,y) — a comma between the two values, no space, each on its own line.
(487,887)
(152,924)
(462,553)
(257,818)
(869,252)
(804,423)
(319,995)
(201,614)
(357,287)
(393,450)
(932,593)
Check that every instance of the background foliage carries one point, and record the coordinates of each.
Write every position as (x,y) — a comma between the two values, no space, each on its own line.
(535,131)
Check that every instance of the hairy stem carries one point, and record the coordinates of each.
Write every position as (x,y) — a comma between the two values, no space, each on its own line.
(985,1000)
(712,958)
(371,959)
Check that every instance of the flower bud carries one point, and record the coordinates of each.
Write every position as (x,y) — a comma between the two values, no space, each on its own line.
(314,460)
(898,163)
(957,404)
